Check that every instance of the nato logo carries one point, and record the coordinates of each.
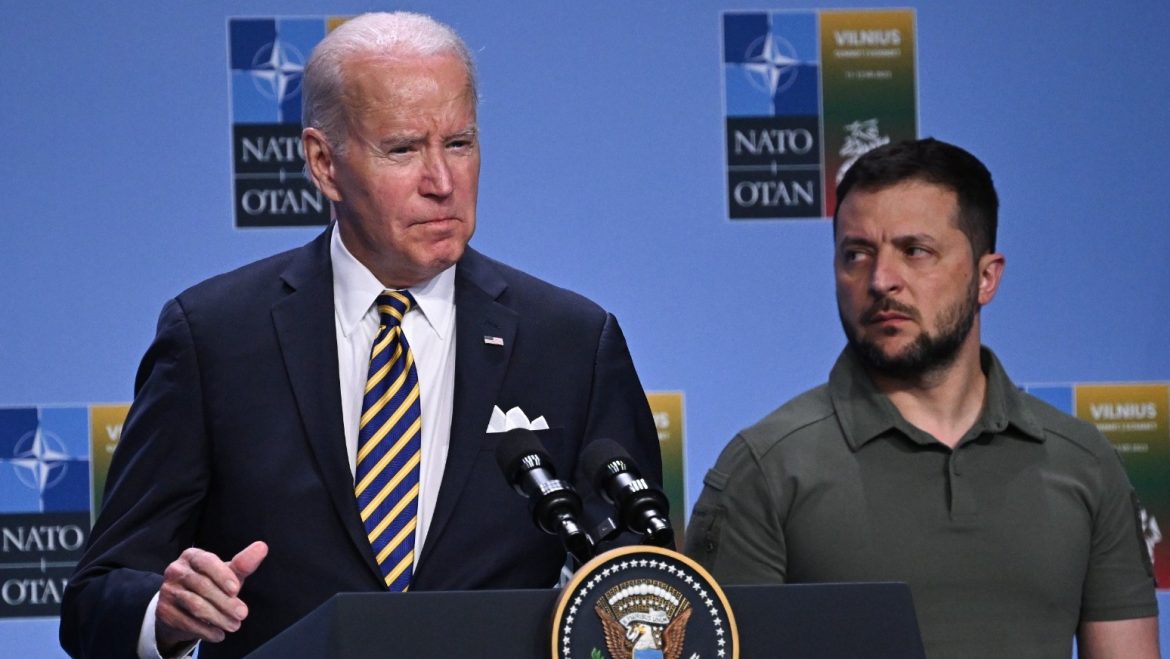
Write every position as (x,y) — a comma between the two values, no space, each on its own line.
(44,505)
(772,93)
(267,62)
(44,459)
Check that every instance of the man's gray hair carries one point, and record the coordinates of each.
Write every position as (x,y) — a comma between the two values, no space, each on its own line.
(393,35)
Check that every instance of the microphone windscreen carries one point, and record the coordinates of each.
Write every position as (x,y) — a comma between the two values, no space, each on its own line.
(596,455)
(514,446)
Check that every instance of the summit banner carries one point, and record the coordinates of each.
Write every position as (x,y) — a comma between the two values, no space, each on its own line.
(266,62)
(806,93)
(1135,417)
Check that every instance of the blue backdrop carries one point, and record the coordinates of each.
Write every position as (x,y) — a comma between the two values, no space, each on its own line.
(604,172)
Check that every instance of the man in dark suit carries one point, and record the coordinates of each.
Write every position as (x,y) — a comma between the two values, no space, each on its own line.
(231,510)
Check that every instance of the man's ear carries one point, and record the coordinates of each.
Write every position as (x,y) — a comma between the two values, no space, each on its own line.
(990,274)
(319,162)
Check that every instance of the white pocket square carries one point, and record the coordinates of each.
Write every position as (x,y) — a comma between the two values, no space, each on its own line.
(514,418)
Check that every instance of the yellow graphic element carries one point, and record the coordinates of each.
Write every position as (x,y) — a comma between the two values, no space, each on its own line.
(332,22)
(1134,416)
(667,408)
(105,429)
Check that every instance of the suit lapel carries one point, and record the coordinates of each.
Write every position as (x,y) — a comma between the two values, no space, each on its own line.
(308,342)
(480,364)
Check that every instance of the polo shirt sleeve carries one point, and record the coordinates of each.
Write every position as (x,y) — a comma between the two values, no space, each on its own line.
(734,530)
(1119,583)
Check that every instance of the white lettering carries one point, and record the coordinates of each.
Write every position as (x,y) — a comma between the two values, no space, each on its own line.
(1123,411)
(275,201)
(662,420)
(773,193)
(41,538)
(856,38)
(269,149)
(32,591)
(774,141)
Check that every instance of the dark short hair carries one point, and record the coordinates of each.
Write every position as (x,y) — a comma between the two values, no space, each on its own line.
(932,161)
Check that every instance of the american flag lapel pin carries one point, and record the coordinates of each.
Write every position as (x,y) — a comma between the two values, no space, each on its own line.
(493,340)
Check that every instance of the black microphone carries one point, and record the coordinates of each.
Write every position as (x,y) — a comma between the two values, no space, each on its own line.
(555,505)
(642,507)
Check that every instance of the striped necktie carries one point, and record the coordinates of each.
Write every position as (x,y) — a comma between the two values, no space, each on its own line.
(389,445)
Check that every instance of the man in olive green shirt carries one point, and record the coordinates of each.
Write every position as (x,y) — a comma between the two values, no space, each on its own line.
(920,461)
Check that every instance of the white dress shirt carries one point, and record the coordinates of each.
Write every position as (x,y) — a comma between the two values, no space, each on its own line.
(430,332)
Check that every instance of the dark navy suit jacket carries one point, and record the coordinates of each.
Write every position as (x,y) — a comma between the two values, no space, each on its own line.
(235,435)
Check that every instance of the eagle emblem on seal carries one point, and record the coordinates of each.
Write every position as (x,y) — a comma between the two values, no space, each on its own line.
(643,619)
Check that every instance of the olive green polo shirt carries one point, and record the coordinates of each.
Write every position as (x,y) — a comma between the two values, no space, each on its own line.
(1027,527)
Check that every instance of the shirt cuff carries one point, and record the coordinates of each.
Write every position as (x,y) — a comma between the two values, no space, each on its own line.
(148,643)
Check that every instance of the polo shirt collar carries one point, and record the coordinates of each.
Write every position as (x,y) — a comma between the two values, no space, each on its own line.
(866,414)
(1005,402)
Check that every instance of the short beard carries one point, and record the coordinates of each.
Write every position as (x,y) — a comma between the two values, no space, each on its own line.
(928,354)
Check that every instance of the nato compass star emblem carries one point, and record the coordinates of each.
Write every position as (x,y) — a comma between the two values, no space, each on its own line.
(40,460)
(771,64)
(277,69)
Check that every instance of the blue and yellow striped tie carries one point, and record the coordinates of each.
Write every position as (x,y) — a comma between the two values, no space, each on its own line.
(389,445)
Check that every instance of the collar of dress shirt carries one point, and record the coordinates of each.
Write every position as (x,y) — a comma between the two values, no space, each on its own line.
(355,288)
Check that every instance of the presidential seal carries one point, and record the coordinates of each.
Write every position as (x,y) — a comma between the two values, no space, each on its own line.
(643,602)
